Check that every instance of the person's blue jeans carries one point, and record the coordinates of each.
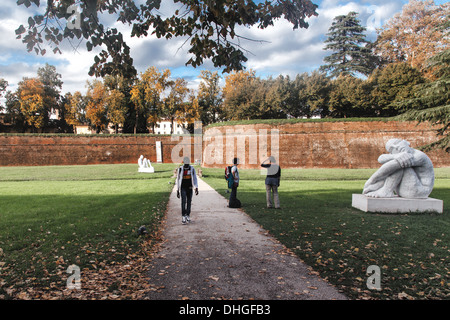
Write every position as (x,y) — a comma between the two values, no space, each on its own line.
(186,199)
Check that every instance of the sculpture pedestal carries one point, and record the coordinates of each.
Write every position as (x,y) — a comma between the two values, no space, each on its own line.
(148,170)
(396,204)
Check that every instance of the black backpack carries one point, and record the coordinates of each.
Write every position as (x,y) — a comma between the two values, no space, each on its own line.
(234,203)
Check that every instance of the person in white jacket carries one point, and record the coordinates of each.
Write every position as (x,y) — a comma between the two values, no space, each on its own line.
(186,182)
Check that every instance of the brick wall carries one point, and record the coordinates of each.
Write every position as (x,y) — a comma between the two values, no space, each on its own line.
(30,150)
(306,145)
(322,144)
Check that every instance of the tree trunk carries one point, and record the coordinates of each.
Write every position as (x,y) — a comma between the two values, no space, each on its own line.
(136,123)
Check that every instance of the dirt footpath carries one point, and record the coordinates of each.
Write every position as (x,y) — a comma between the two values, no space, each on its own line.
(224,254)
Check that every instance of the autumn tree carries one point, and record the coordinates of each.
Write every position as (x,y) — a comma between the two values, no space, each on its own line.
(188,113)
(96,107)
(175,101)
(123,85)
(40,96)
(147,97)
(415,34)
(210,26)
(210,97)
(237,93)
(431,101)
(69,117)
(350,55)
(32,102)
(31,97)
(141,107)
(116,108)
(75,108)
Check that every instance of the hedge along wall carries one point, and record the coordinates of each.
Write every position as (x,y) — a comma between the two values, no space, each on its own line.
(344,144)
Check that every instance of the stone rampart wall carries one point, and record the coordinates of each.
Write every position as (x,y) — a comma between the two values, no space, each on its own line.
(345,144)
(317,144)
(29,150)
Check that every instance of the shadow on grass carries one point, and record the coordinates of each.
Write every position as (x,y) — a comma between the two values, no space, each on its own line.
(41,234)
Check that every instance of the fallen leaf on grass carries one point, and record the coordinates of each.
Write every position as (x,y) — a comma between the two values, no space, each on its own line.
(404,295)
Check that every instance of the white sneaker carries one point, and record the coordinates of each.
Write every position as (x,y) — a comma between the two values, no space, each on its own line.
(183,220)
(188,219)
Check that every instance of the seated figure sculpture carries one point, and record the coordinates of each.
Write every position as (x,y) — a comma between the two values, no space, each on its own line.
(405,172)
(145,165)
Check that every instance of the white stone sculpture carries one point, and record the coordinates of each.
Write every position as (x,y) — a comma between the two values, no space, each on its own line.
(145,165)
(405,172)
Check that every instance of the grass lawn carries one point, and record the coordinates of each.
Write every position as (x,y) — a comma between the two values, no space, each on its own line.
(318,223)
(53,217)
(56,216)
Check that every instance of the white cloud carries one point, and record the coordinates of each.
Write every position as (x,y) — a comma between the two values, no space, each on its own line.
(295,51)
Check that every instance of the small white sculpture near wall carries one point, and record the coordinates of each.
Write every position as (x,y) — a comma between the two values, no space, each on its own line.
(405,172)
(145,165)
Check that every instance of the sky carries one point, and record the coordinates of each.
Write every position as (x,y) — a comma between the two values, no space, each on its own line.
(284,50)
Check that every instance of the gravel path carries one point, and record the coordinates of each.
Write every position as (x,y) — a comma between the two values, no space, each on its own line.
(224,254)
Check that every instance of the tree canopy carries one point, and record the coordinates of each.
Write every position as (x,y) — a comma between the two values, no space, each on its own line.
(209,97)
(416,34)
(431,102)
(413,77)
(351,55)
(392,84)
(32,102)
(211,28)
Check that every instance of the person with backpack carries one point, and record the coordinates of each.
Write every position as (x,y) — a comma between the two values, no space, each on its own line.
(272,182)
(186,181)
(229,178)
(234,183)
